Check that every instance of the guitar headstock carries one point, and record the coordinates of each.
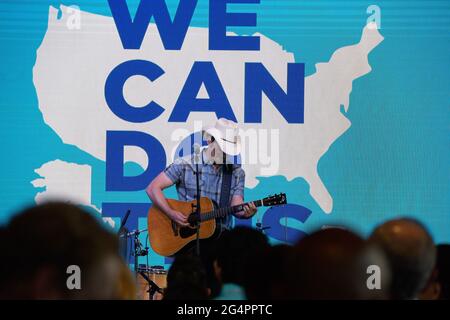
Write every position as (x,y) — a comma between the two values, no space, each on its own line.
(275,200)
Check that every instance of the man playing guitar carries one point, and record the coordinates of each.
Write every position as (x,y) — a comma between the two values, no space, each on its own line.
(223,145)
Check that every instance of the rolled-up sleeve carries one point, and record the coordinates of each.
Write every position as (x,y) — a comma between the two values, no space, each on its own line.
(174,172)
(237,187)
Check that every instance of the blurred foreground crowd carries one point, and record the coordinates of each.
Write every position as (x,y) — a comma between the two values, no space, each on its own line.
(399,260)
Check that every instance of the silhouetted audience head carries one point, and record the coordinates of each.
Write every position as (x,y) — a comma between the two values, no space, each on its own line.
(333,264)
(398,261)
(411,253)
(42,242)
(438,285)
(186,279)
(443,270)
(234,252)
(266,276)
(126,288)
(208,250)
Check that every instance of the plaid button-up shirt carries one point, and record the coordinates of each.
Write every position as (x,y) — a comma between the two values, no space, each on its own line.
(182,174)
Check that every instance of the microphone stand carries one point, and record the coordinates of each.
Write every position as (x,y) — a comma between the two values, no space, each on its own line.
(122,233)
(153,287)
(197,205)
(260,227)
(139,250)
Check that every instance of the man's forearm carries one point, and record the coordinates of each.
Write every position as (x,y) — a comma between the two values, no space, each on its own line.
(158,198)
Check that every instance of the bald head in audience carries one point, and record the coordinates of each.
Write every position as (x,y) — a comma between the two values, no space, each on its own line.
(411,254)
(333,264)
(43,243)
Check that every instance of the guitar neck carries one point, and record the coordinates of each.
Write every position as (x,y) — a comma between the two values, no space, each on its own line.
(223,212)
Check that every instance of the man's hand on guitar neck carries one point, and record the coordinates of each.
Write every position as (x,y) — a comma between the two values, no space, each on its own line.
(249,210)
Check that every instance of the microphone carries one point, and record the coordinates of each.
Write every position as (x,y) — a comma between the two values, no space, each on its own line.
(132,233)
(197,150)
(124,221)
(123,243)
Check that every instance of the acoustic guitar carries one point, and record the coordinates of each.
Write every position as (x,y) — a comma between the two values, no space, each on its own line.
(167,237)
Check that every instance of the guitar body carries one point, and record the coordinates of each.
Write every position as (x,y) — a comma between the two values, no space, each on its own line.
(167,238)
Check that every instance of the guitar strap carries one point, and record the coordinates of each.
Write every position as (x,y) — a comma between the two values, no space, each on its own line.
(226,186)
(225,191)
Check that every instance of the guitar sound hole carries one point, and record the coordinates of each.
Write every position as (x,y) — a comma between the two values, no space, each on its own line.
(186,232)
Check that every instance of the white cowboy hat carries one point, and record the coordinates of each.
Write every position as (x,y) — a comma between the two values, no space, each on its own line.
(226,133)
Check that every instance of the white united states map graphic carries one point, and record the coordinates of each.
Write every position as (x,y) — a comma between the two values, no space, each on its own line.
(72,66)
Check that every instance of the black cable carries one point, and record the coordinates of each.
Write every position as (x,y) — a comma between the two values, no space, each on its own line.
(147,269)
(146,245)
(129,250)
